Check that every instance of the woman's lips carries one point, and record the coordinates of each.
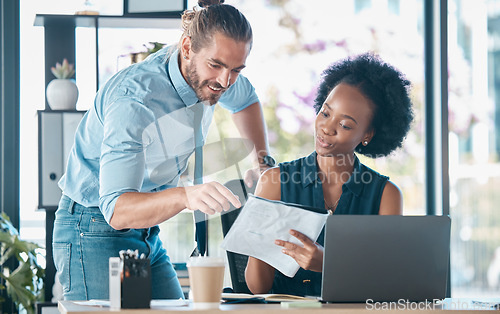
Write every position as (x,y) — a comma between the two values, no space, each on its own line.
(322,142)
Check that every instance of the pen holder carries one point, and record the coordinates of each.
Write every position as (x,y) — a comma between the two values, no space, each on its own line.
(129,281)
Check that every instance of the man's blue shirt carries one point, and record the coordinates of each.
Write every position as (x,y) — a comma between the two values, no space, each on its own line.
(139,134)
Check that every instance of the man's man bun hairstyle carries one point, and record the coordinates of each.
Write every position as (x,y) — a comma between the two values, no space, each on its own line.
(214,17)
(207,3)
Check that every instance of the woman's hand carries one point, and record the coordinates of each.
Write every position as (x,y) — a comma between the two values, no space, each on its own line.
(309,256)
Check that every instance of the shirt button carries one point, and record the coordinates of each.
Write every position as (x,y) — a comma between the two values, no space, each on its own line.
(81,234)
(93,219)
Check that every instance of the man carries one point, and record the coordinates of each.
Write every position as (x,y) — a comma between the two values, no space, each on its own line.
(134,143)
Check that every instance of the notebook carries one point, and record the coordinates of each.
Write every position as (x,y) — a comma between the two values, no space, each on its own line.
(385,258)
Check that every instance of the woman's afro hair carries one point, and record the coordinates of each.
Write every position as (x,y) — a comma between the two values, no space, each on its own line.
(386,87)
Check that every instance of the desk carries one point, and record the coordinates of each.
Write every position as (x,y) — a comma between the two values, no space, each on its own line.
(459,306)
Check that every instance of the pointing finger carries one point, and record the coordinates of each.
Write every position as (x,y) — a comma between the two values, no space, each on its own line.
(233,199)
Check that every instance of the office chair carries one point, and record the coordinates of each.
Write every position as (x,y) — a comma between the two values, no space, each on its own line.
(237,262)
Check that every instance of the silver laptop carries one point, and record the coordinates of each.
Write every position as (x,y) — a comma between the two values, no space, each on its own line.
(385,258)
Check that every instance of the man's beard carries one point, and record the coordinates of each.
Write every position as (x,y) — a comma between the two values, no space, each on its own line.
(193,79)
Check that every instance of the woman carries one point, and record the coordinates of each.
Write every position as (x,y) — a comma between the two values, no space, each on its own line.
(363,106)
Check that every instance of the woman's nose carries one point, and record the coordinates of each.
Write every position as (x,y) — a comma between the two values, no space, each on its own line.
(328,128)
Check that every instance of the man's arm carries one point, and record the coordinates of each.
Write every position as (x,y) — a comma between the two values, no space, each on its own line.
(143,210)
(251,124)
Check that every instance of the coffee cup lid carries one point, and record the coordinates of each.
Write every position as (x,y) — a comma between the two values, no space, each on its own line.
(206,261)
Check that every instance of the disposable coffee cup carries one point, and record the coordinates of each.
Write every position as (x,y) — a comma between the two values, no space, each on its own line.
(206,277)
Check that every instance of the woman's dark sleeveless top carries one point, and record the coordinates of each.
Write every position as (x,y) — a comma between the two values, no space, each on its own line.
(301,184)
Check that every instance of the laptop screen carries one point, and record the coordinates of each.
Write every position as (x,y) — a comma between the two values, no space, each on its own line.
(385,258)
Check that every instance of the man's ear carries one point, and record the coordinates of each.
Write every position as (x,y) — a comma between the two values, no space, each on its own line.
(185,47)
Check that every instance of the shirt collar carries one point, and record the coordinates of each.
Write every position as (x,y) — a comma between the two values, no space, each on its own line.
(310,170)
(310,166)
(355,181)
(186,92)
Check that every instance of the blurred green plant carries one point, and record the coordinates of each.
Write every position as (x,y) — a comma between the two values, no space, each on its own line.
(289,112)
(24,283)
(152,47)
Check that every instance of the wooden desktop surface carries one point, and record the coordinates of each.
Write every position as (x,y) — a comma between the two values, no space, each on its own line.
(69,307)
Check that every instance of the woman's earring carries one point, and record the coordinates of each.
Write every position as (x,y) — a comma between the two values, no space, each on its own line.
(185,57)
(365,143)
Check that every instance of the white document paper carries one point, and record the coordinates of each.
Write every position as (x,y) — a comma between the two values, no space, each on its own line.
(155,304)
(261,221)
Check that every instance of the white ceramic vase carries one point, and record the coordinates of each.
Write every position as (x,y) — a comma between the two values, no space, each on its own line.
(62,94)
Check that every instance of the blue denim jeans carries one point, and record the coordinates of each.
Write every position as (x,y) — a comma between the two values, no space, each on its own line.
(83,242)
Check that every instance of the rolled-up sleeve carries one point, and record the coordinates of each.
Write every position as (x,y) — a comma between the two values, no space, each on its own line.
(122,159)
(239,96)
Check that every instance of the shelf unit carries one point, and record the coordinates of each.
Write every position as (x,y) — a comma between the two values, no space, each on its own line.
(60,36)
(60,40)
